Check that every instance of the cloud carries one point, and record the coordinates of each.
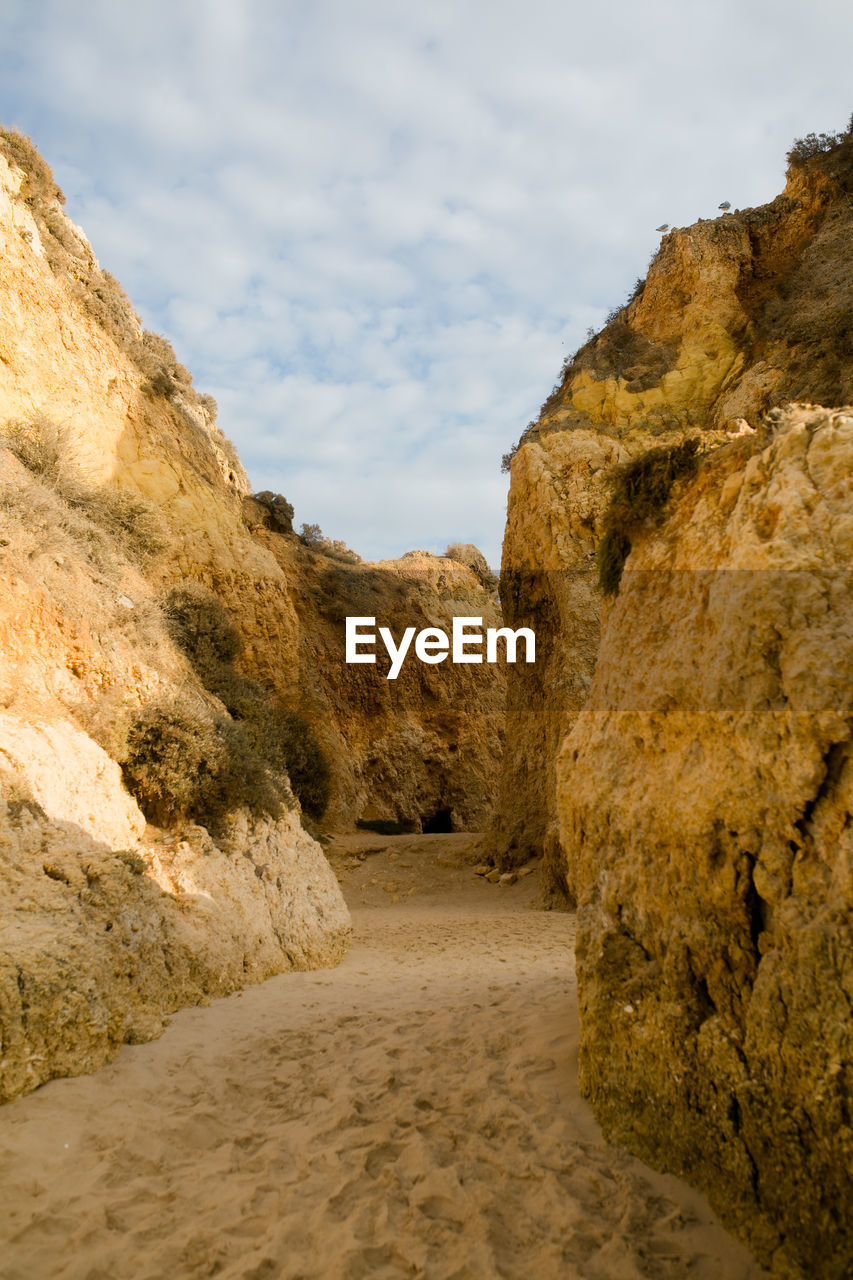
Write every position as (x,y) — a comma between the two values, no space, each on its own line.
(374,231)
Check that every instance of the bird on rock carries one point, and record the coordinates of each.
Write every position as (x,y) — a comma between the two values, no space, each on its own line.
(725,206)
(664,227)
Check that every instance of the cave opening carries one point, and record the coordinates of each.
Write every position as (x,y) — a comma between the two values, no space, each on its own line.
(438,823)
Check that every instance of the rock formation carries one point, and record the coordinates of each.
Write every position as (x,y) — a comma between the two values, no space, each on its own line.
(686,766)
(705,798)
(736,315)
(406,750)
(74,352)
(117,489)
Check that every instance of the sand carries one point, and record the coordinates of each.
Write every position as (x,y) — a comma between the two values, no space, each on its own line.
(413,1113)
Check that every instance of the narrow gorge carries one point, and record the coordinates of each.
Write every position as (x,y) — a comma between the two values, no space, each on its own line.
(197,793)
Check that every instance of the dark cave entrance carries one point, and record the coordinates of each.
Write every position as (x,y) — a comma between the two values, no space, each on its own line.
(438,823)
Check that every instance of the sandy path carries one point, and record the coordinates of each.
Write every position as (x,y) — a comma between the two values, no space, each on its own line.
(410,1114)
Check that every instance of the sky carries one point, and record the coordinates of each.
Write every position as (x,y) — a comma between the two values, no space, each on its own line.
(373,230)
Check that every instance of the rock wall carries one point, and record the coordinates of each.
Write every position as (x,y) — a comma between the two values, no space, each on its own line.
(425,744)
(736,314)
(63,359)
(705,799)
(99,945)
(548,582)
(108,923)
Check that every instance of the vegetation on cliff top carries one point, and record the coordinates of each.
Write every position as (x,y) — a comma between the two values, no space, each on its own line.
(817,144)
(100,295)
(618,350)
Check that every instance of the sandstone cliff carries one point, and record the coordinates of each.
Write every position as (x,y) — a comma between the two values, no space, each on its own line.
(73,352)
(108,923)
(704,796)
(686,767)
(167,644)
(413,750)
(735,315)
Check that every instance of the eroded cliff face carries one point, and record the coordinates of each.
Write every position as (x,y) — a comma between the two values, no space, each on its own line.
(407,750)
(681,750)
(429,741)
(704,798)
(736,315)
(110,924)
(548,582)
(116,487)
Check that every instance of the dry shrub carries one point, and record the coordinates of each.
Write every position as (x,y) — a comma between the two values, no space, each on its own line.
(103,298)
(183,763)
(131,522)
(165,376)
(640,490)
(114,522)
(174,756)
(242,697)
(277,511)
(288,741)
(265,735)
(247,780)
(107,719)
(200,626)
(41,512)
(39,184)
(208,403)
(44,447)
(283,739)
(472,557)
(312,536)
(813,144)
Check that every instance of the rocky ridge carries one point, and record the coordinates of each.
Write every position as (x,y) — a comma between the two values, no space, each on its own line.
(684,768)
(735,315)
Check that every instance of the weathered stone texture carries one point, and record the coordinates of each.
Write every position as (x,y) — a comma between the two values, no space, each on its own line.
(705,798)
(98,946)
(736,314)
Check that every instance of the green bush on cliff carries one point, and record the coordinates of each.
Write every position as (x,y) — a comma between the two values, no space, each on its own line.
(640,490)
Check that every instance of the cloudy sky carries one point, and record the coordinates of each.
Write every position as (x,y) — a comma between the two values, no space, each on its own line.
(374,229)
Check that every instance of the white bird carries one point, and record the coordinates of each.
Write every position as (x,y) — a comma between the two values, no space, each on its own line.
(725,206)
(664,227)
